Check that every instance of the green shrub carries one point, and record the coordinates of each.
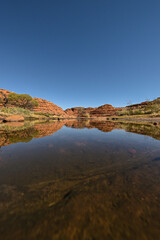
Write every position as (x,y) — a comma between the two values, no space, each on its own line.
(22,100)
(138,112)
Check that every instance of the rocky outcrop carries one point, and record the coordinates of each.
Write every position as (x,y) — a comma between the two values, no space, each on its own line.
(75,111)
(45,106)
(3,93)
(102,111)
(14,118)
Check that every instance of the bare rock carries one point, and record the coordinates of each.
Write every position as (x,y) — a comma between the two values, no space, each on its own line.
(14,118)
(102,111)
(45,106)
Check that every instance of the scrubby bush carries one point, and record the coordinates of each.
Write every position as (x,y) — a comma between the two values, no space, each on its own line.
(123,112)
(16,110)
(138,112)
(22,100)
(155,108)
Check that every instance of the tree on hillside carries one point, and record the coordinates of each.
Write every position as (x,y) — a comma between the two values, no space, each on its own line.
(22,100)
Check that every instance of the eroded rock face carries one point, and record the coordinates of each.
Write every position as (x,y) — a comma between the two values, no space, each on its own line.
(45,106)
(14,118)
(104,110)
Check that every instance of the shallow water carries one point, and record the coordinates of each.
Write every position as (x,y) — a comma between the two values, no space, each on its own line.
(79,180)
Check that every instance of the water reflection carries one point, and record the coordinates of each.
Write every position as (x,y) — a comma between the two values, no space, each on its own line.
(72,181)
(24,132)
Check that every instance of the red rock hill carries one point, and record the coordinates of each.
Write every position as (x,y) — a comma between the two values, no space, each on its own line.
(44,106)
(102,111)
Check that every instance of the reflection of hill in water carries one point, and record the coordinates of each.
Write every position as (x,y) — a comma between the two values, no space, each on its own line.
(17,132)
(107,126)
(101,125)
(13,135)
(144,129)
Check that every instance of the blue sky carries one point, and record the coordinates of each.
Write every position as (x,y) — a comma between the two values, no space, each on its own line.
(81,53)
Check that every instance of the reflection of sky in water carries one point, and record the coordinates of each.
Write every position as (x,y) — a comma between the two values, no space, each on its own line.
(81,146)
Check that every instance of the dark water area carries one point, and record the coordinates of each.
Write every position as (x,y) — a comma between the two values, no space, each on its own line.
(79,180)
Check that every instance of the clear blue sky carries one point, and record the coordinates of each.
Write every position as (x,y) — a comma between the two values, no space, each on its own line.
(81,53)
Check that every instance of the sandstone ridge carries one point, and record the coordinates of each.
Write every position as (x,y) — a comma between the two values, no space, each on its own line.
(102,111)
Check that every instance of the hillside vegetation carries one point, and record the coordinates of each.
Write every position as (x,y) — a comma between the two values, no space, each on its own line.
(145,108)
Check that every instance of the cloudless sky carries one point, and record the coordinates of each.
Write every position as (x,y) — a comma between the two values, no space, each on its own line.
(81,53)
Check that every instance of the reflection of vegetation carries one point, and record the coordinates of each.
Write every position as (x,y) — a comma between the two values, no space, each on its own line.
(24,132)
(16,126)
(145,129)
(24,135)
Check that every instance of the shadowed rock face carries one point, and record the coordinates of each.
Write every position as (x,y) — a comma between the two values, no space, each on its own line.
(3,93)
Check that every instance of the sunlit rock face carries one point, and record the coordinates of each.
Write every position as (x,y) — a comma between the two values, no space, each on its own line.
(102,111)
(14,118)
(45,106)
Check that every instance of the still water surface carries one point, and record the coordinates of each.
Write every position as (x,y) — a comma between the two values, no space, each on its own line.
(79,180)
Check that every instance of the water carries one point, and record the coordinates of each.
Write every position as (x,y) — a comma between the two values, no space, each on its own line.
(78,180)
